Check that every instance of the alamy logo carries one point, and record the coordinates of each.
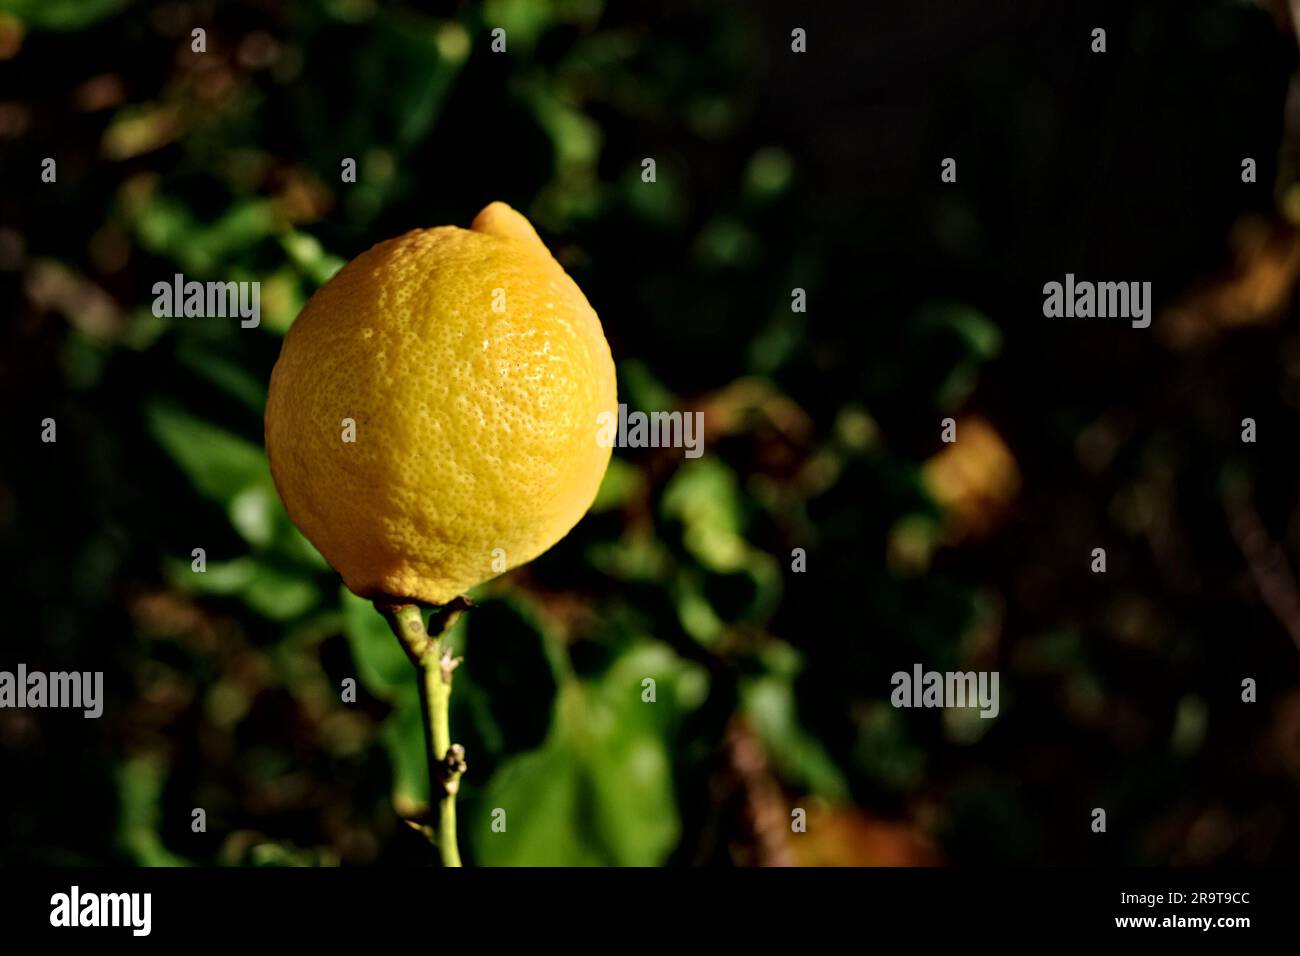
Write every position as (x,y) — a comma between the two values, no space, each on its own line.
(80,691)
(210,300)
(1100,300)
(946,689)
(655,430)
(75,908)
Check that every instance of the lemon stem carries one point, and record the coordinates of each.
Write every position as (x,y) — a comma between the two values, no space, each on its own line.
(433,659)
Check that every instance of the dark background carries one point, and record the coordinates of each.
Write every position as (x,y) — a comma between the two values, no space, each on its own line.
(775,171)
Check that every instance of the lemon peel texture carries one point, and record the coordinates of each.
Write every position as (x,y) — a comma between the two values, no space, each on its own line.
(432,416)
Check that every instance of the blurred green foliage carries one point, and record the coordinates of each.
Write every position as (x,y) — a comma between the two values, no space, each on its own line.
(771,684)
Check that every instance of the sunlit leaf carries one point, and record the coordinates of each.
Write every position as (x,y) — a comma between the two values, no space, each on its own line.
(599,791)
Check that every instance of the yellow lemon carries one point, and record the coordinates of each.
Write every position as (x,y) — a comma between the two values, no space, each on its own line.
(433,416)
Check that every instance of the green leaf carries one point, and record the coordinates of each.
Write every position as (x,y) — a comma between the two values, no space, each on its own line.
(274,592)
(221,577)
(507,658)
(381,662)
(292,546)
(310,256)
(666,206)
(225,373)
(633,557)
(388,674)
(641,390)
(280,594)
(166,227)
(220,465)
(621,481)
(694,611)
(981,337)
(600,789)
(769,701)
(523,20)
(704,492)
(404,739)
(705,496)
(62,14)
(234,472)
(419,75)
(543,797)
(768,173)
(245,223)
(140,784)
(255,513)
(627,757)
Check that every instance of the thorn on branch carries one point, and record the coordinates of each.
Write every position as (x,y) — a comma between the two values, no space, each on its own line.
(448,664)
(453,765)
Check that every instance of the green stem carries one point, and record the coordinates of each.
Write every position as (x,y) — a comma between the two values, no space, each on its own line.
(432,658)
(442,773)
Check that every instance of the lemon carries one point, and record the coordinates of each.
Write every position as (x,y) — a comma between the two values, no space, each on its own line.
(432,417)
